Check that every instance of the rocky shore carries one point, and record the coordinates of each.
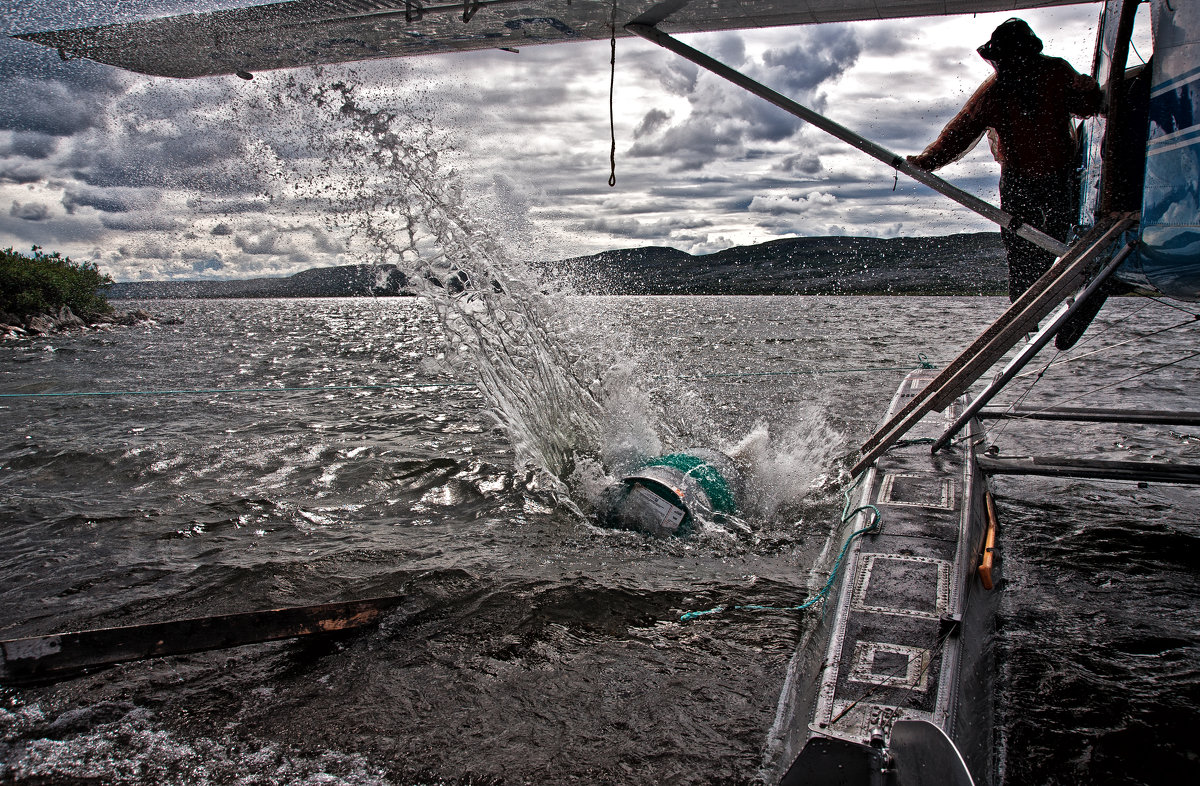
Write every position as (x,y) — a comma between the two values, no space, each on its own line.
(12,326)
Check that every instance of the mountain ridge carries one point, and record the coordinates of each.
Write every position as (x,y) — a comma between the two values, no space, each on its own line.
(962,264)
(837,265)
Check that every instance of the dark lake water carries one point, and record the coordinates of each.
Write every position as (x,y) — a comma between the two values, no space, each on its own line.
(532,646)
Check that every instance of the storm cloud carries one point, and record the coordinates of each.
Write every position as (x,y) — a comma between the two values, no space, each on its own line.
(819,55)
(724,122)
(106,200)
(29,211)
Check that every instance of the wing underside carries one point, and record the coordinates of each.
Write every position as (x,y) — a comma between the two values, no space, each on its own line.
(311,32)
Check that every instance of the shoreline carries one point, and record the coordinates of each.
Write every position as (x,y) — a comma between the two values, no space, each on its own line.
(65,321)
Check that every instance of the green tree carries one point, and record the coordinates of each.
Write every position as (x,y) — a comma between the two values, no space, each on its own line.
(44,283)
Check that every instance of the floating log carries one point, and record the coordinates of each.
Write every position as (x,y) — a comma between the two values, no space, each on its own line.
(63,654)
(1053,466)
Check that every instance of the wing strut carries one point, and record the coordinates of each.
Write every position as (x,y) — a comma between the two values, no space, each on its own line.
(897,162)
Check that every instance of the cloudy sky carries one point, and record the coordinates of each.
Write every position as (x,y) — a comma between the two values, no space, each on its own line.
(218,177)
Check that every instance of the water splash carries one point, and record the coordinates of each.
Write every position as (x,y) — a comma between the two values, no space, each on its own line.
(371,175)
(784,469)
(379,177)
(300,169)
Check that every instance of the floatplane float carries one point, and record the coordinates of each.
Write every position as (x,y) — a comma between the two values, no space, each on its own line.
(894,683)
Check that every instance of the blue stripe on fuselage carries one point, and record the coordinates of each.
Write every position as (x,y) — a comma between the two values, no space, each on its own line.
(1177,108)
(1175,81)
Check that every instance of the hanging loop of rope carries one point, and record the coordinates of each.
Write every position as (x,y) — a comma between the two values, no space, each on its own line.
(612,83)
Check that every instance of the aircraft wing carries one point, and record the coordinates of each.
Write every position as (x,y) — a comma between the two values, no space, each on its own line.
(310,32)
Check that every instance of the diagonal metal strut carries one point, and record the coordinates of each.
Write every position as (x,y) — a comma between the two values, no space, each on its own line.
(1031,349)
(1064,277)
(897,162)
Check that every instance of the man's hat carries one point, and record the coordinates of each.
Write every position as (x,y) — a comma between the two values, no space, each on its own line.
(1012,38)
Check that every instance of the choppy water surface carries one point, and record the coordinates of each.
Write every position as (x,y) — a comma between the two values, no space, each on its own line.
(531,646)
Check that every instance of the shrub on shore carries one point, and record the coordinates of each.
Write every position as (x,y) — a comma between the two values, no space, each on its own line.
(43,283)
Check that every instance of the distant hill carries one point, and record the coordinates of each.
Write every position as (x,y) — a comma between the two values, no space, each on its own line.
(966,264)
(342,281)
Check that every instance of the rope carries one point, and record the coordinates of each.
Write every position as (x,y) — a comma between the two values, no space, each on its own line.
(1136,52)
(1163,302)
(822,594)
(612,85)
(993,433)
(1151,370)
(1093,336)
(1056,361)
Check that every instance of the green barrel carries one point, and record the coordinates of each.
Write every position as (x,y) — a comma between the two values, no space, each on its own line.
(664,496)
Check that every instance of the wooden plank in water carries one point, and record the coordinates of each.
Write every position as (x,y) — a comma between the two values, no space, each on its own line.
(62,654)
(1053,466)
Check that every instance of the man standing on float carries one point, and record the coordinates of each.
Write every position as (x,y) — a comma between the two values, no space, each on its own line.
(1026,109)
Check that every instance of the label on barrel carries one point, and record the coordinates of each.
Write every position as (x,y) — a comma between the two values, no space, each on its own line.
(667,514)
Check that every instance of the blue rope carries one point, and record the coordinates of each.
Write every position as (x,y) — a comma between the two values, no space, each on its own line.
(822,594)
